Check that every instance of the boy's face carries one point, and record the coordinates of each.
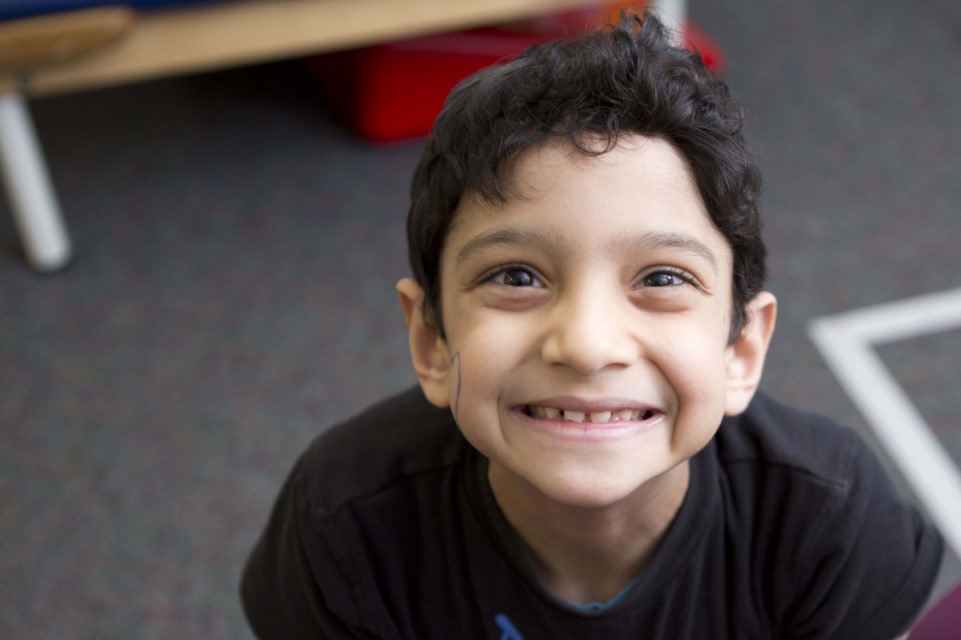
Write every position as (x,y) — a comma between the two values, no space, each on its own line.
(586,349)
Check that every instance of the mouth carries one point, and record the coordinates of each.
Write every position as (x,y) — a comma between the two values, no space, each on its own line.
(606,416)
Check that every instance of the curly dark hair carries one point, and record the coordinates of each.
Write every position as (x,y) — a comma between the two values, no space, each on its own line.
(624,79)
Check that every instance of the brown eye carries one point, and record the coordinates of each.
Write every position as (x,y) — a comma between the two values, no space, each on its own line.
(517,278)
(665,279)
(513,276)
(662,280)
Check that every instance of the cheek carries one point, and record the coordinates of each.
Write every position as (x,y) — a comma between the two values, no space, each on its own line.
(490,342)
(487,357)
(701,403)
(703,382)
(470,366)
(696,370)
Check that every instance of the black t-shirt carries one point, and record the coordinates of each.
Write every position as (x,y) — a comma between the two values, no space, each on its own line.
(386,528)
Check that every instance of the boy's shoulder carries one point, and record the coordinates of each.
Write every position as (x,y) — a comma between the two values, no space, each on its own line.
(809,483)
(814,488)
(807,504)
(397,438)
(775,436)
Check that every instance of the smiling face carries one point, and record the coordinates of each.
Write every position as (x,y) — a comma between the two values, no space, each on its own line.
(586,346)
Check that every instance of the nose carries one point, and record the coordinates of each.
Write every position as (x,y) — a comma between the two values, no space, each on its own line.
(591,330)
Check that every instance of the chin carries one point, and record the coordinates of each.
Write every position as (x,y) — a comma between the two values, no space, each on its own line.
(592,492)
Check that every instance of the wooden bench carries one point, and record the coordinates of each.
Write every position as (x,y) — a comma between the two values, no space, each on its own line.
(79,50)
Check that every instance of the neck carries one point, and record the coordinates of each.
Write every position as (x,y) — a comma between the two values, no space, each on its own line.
(590,554)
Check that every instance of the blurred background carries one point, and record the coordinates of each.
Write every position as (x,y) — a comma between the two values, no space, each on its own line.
(231,294)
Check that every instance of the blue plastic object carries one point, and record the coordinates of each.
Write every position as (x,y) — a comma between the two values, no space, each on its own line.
(23,8)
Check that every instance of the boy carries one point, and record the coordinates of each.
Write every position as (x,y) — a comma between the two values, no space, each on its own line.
(586,457)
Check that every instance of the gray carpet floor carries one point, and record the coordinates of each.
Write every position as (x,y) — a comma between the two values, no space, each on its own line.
(232,295)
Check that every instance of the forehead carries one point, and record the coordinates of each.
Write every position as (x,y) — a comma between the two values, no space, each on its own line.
(640,193)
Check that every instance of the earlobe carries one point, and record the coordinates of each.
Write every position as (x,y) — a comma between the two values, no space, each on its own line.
(428,350)
(745,357)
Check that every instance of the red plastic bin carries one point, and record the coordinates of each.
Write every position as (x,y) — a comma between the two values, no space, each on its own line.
(394,91)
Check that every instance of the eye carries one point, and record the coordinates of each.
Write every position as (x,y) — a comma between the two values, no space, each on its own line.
(515,277)
(665,278)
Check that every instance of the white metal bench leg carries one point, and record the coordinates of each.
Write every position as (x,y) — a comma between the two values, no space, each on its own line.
(673,13)
(32,199)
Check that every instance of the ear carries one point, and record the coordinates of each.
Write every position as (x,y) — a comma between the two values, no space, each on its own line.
(428,350)
(745,357)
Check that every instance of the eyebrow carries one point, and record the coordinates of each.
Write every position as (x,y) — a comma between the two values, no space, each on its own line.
(514,236)
(682,242)
(507,237)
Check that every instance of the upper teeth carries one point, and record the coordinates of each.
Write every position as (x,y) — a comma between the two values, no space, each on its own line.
(553,413)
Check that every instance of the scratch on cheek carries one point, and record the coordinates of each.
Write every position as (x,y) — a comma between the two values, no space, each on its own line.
(455,359)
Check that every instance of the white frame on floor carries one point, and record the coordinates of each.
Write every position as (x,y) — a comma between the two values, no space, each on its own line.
(847,341)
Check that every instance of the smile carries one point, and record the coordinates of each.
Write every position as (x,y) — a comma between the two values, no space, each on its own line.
(605,417)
